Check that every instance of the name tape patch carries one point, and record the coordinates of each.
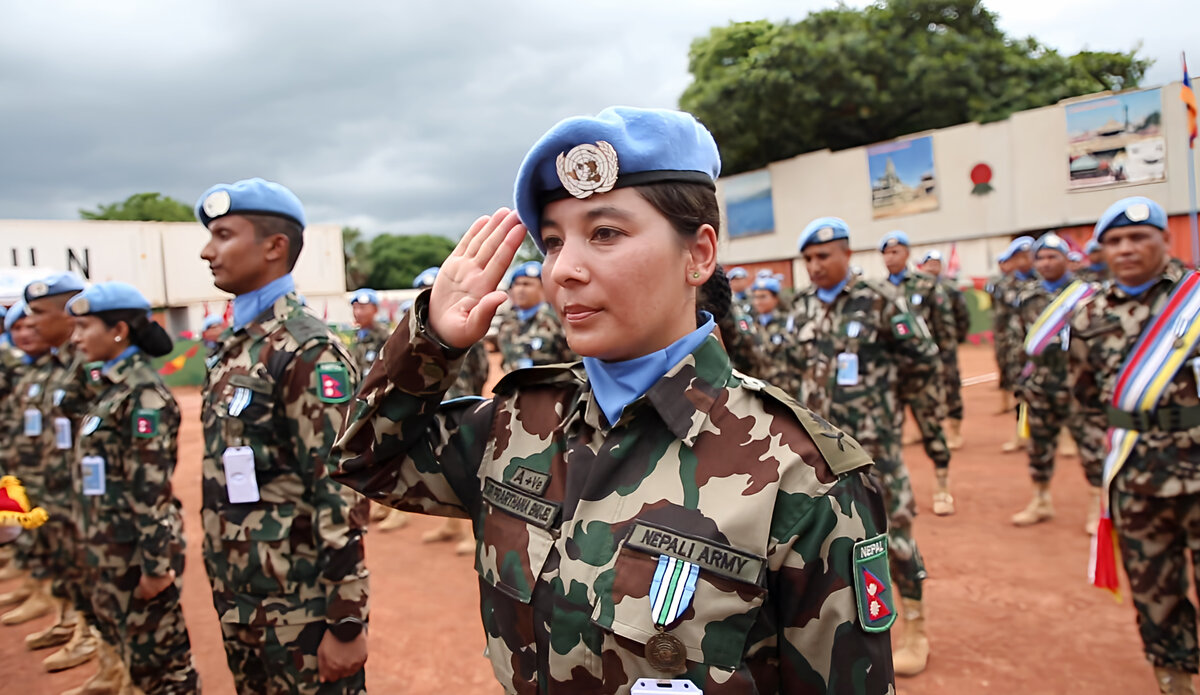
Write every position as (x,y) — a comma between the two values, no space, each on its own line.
(539,512)
(714,557)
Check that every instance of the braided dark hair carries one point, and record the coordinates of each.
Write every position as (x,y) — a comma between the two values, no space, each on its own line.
(143,332)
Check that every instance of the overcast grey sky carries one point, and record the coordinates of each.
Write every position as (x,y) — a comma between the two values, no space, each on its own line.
(393,116)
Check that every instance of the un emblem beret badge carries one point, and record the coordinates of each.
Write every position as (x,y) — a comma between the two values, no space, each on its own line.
(825,234)
(1138,212)
(81,306)
(588,169)
(217,203)
(38,289)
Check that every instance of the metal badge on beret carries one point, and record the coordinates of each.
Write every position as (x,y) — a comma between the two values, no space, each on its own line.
(825,234)
(81,306)
(531,272)
(38,289)
(217,203)
(1138,212)
(588,169)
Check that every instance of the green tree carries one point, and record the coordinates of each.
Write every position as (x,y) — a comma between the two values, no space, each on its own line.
(358,257)
(844,77)
(142,207)
(395,260)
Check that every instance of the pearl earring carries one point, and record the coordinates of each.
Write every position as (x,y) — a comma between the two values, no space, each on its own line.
(117,339)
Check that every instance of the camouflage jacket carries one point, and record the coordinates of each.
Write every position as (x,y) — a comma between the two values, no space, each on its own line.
(570,517)
(744,346)
(474,373)
(133,427)
(927,300)
(1006,318)
(893,351)
(64,398)
(15,366)
(958,308)
(1047,372)
(279,386)
(24,452)
(538,341)
(777,337)
(1104,329)
(366,348)
(1097,276)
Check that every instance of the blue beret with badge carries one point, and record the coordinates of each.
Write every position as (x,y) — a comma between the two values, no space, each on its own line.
(737,273)
(16,312)
(770,284)
(893,238)
(932,255)
(365,295)
(210,321)
(1128,212)
(1091,247)
(620,146)
(249,197)
(1052,242)
(53,285)
(822,231)
(1019,245)
(107,296)
(528,269)
(425,278)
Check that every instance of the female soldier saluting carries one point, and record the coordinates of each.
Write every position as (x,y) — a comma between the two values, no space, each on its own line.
(132,528)
(649,513)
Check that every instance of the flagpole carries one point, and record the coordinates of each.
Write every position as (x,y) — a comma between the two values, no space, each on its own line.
(1191,162)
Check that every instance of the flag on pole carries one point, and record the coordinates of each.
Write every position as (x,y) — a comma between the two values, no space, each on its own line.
(1189,100)
(953,265)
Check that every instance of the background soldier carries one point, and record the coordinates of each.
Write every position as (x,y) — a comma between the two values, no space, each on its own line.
(932,264)
(1154,490)
(856,348)
(530,333)
(775,334)
(210,333)
(370,334)
(283,543)
(922,296)
(739,285)
(1006,322)
(1096,270)
(1043,387)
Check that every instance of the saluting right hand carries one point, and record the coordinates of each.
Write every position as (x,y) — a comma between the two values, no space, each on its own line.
(465,297)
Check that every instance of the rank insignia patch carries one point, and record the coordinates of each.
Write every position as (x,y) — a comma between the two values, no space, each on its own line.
(873,584)
(334,383)
(145,423)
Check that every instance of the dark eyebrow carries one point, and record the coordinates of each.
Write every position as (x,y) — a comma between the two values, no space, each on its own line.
(594,213)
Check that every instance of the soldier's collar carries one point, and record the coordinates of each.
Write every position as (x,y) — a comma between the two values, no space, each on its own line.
(117,369)
(266,322)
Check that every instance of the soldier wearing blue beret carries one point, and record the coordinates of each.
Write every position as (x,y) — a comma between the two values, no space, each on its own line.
(1007,328)
(739,283)
(131,522)
(530,333)
(584,479)
(1095,270)
(370,333)
(276,393)
(211,330)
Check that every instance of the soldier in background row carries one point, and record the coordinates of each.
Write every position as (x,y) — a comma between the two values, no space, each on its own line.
(530,333)
(369,333)
(931,263)
(1006,324)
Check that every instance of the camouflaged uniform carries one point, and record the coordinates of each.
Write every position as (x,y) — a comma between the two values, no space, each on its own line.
(1007,329)
(131,524)
(927,303)
(282,567)
(962,327)
(743,345)
(865,319)
(1155,497)
(1043,386)
(474,373)
(367,344)
(538,341)
(1087,274)
(776,337)
(571,515)
(24,457)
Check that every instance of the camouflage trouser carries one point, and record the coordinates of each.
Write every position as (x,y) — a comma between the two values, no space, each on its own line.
(58,556)
(150,636)
(907,567)
(953,386)
(282,659)
(928,412)
(1155,534)
(1048,413)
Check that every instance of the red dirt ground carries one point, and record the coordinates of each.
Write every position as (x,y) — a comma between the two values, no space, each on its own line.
(1010,610)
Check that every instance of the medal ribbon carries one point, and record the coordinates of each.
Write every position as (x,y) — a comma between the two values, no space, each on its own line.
(672,589)
(1052,321)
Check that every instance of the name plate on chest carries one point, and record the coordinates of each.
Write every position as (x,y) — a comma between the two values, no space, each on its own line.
(522,505)
(714,557)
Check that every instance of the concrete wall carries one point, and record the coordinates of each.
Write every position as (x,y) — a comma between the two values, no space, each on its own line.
(1028,157)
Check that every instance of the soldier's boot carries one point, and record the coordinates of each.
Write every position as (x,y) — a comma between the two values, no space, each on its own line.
(1039,509)
(80,650)
(450,530)
(395,519)
(38,604)
(943,501)
(465,547)
(19,594)
(111,677)
(1172,681)
(1006,401)
(913,654)
(57,634)
(953,428)
(11,571)
(379,512)
(1093,517)
(1066,443)
(1017,443)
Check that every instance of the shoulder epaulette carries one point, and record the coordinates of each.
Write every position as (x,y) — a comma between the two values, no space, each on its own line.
(543,374)
(304,327)
(842,452)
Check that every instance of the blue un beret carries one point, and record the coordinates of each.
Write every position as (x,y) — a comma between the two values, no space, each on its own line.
(1053,242)
(823,230)
(1018,245)
(210,321)
(365,295)
(1091,247)
(107,296)
(425,278)
(770,284)
(620,146)
(738,272)
(1128,212)
(52,285)
(932,255)
(16,312)
(528,269)
(249,197)
(893,238)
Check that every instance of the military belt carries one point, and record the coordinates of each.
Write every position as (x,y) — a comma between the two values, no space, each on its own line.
(1170,418)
